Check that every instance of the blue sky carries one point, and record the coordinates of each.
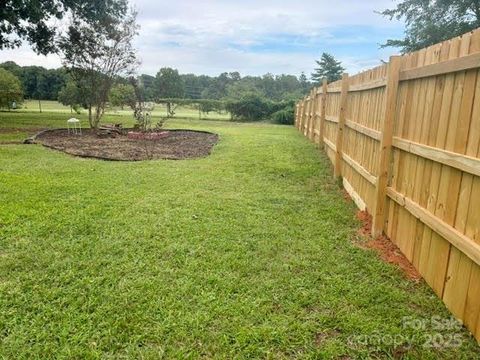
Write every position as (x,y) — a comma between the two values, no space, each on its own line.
(253,37)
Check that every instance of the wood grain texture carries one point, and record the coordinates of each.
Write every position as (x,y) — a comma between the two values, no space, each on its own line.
(414,151)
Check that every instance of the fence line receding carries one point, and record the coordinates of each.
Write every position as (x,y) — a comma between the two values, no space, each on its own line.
(405,139)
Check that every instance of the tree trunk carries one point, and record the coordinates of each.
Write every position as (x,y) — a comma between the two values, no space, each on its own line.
(90,120)
(99,110)
(40,105)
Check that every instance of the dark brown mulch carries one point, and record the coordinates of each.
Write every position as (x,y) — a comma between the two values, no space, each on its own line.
(179,144)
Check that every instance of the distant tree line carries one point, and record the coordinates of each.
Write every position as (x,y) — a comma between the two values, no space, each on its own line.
(94,41)
(168,83)
(249,97)
(45,84)
(36,81)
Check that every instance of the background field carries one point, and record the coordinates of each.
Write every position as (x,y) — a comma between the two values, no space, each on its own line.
(16,125)
(247,253)
(182,112)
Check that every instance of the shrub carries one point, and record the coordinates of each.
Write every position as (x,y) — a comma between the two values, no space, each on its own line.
(253,107)
(284,117)
(250,107)
(10,89)
(206,106)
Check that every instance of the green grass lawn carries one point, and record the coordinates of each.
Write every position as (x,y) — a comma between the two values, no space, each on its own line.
(19,124)
(245,254)
(187,112)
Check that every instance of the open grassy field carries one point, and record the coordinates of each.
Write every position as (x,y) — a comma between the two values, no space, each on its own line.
(247,254)
(18,124)
(182,112)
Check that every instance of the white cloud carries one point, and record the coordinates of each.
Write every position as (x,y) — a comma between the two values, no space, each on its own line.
(25,56)
(253,37)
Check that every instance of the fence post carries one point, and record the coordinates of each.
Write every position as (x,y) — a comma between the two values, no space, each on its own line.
(315,116)
(323,110)
(311,127)
(341,126)
(297,105)
(302,110)
(316,121)
(307,114)
(386,144)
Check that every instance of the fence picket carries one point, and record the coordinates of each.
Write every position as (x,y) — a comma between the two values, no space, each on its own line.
(405,138)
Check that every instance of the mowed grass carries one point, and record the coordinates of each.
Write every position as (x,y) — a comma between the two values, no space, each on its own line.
(186,112)
(245,254)
(16,125)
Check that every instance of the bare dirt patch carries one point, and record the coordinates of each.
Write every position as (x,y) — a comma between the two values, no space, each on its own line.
(323,336)
(386,249)
(179,144)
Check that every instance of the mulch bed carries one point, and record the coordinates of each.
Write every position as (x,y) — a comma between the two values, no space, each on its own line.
(177,145)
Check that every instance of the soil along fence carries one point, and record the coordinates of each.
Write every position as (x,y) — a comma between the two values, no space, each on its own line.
(405,138)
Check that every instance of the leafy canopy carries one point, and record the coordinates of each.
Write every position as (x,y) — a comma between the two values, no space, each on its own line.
(37,21)
(38,82)
(329,68)
(96,55)
(10,89)
(123,94)
(168,84)
(431,21)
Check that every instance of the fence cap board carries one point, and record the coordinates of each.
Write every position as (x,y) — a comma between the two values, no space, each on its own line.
(445,67)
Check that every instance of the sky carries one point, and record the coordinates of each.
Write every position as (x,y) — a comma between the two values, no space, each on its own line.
(252,37)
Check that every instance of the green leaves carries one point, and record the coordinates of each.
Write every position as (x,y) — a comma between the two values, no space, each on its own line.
(10,89)
(430,22)
(123,94)
(96,54)
(329,68)
(168,84)
(32,20)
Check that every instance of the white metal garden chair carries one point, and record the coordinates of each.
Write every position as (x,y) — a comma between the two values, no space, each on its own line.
(74,126)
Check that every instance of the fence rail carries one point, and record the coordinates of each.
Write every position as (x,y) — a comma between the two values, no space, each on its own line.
(405,138)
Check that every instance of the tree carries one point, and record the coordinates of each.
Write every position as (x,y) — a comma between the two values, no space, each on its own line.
(169,85)
(429,22)
(12,67)
(122,94)
(51,82)
(37,21)
(146,87)
(329,68)
(247,86)
(304,84)
(38,82)
(288,87)
(10,89)
(72,94)
(217,89)
(96,56)
(251,107)
(194,85)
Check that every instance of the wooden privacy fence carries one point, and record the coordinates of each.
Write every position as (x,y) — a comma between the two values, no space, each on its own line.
(405,138)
